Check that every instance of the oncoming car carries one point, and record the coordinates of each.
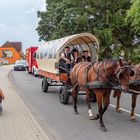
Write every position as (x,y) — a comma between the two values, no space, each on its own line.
(20,65)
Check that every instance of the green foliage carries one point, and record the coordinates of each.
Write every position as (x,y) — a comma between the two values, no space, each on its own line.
(133,15)
(103,18)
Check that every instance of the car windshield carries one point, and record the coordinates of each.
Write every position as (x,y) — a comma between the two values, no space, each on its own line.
(20,62)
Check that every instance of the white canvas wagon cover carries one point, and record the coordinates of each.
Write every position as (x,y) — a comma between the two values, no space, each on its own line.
(49,52)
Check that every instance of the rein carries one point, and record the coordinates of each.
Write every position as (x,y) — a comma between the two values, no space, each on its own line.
(111,80)
(106,72)
(119,71)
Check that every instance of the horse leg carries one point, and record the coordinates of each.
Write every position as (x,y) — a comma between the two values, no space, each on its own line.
(117,94)
(89,106)
(133,105)
(101,111)
(74,95)
(106,102)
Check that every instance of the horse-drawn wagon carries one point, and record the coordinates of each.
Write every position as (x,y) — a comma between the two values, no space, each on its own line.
(92,77)
(48,56)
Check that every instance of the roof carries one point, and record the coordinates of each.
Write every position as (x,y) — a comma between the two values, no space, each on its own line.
(16,45)
(83,39)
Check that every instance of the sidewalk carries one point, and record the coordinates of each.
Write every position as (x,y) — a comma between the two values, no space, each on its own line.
(16,121)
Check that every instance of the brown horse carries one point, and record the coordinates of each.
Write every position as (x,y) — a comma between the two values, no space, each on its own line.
(134,82)
(99,78)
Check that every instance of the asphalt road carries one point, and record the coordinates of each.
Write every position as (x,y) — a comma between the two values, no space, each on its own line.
(61,123)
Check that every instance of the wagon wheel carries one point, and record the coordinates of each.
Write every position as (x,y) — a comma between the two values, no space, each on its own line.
(45,85)
(64,95)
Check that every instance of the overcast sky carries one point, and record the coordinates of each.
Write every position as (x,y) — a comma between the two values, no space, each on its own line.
(18,21)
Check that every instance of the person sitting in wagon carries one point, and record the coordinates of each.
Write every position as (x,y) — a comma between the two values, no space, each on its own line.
(65,59)
(85,57)
(76,58)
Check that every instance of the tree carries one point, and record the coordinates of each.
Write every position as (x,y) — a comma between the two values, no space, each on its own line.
(133,15)
(105,19)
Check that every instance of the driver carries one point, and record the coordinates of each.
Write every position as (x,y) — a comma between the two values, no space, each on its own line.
(66,58)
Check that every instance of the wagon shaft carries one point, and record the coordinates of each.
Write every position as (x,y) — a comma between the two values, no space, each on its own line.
(134,83)
(134,91)
(102,84)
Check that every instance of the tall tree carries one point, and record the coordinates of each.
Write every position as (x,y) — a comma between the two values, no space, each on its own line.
(105,19)
(133,14)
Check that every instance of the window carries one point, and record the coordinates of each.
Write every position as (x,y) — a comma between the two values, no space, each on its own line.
(41,55)
(7,54)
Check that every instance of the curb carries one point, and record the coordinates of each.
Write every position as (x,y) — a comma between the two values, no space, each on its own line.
(38,130)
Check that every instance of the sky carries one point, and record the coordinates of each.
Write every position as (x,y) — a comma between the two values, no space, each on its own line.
(18,21)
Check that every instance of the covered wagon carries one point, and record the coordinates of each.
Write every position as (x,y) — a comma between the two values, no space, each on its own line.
(48,56)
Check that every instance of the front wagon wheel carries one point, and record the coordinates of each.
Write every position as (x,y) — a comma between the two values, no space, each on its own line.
(45,85)
(64,95)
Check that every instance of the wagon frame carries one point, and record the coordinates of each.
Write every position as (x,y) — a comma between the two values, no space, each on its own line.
(48,56)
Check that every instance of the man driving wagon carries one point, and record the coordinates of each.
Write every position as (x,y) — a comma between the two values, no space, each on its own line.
(65,60)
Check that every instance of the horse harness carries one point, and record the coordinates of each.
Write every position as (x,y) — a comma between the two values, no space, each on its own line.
(95,84)
(110,83)
(135,82)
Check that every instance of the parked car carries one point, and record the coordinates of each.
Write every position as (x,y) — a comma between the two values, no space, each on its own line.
(20,65)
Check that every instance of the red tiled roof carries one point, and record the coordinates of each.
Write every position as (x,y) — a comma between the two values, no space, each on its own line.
(16,45)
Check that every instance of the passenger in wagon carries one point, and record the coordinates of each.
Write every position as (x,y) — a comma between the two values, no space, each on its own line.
(85,57)
(76,58)
(65,59)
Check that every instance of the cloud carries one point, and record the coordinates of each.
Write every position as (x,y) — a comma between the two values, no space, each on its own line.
(18,21)
(23,33)
(43,7)
(34,8)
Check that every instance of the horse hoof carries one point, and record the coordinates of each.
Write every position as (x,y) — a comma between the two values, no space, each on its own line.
(103,129)
(96,117)
(92,117)
(118,110)
(133,119)
(76,112)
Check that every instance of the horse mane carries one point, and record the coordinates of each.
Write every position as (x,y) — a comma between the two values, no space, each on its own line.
(113,62)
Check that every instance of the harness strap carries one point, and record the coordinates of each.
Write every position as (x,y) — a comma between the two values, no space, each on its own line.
(98,68)
(108,75)
(86,71)
(77,71)
(134,82)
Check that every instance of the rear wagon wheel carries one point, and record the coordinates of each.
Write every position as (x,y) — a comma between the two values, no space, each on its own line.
(45,85)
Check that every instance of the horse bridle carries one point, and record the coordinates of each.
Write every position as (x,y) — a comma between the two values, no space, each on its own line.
(120,71)
(115,78)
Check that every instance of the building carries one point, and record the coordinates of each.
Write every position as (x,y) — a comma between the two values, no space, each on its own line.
(11,51)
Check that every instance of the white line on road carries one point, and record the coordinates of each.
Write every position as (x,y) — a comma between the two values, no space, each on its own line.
(138,115)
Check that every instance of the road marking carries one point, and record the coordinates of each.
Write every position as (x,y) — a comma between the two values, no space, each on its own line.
(138,115)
